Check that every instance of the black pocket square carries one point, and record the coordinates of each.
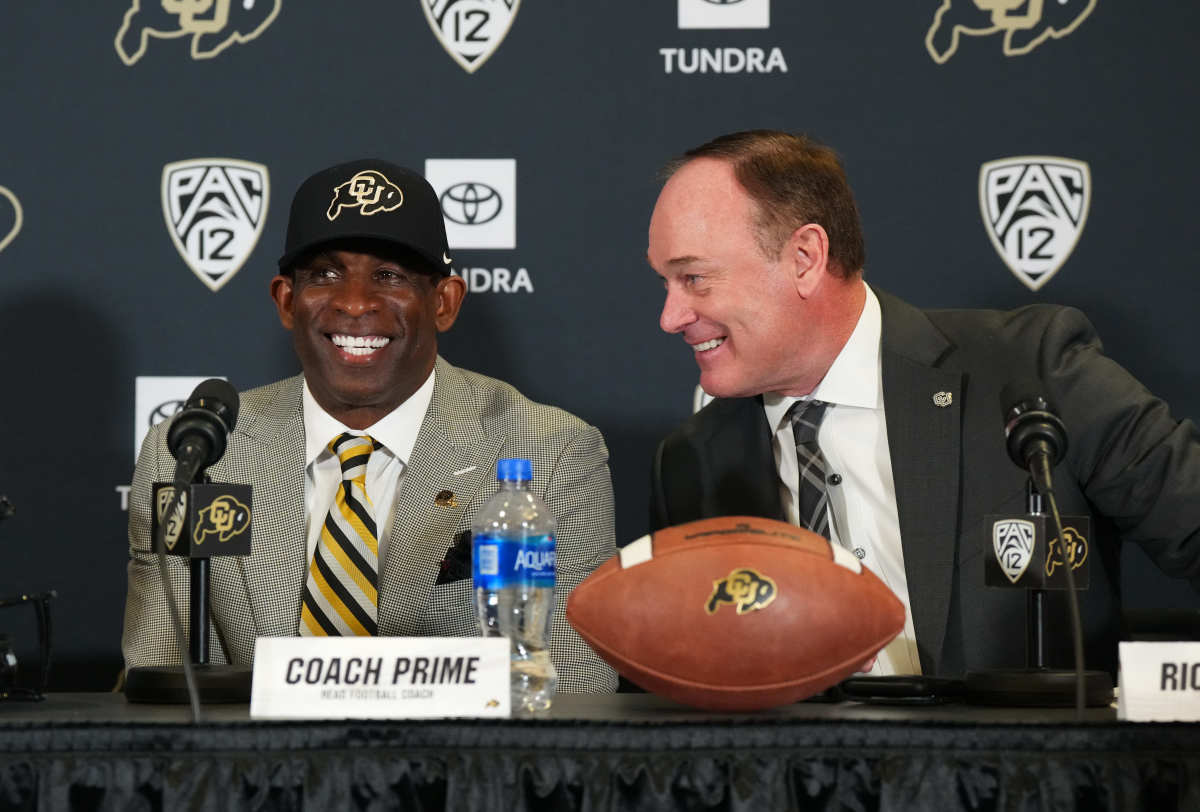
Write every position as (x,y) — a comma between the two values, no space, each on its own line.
(456,566)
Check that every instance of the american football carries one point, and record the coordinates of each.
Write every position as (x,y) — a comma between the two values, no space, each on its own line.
(735,613)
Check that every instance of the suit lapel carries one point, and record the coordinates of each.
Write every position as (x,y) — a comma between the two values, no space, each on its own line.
(924,438)
(275,571)
(452,453)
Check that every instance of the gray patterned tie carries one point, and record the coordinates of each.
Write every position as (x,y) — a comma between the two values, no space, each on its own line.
(813,501)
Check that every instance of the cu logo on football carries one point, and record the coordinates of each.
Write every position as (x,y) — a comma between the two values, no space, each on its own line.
(745,589)
(471,203)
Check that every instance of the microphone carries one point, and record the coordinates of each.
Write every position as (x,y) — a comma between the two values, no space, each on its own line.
(198,435)
(1032,429)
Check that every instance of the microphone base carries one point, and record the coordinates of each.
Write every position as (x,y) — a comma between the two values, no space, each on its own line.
(165,684)
(1037,688)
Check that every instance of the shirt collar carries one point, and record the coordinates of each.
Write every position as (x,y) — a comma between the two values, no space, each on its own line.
(852,379)
(397,431)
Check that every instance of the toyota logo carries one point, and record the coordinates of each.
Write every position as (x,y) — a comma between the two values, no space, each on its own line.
(471,203)
(165,411)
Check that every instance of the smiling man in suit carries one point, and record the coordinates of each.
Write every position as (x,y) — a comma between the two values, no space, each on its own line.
(852,413)
(364,287)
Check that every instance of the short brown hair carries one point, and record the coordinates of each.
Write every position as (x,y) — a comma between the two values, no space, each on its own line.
(795,180)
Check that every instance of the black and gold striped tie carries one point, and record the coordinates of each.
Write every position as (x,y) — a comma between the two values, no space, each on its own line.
(341,595)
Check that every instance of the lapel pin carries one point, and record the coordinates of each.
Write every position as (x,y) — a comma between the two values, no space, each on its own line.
(445,499)
(942,399)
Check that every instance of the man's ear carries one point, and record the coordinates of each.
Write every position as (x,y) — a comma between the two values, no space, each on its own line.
(282,288)
(450,292)
(808,252)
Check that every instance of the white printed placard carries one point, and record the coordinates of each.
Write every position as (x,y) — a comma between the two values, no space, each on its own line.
(1160,682)
(380,677)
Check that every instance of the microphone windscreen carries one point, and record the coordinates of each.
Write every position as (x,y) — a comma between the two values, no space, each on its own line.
(217,396)
(1023,395)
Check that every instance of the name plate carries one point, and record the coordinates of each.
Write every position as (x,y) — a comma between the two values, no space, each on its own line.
(1160,682)
(380,677)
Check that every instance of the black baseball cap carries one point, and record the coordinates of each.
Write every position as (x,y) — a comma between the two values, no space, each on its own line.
(369,199)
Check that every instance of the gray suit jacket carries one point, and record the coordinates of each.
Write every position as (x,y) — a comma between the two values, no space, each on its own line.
(472,421)
(1130,465)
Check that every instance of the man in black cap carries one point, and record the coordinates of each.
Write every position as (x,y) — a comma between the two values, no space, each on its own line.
(369,467)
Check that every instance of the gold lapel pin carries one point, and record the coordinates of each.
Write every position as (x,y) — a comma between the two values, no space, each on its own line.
(445,499)
(942,399)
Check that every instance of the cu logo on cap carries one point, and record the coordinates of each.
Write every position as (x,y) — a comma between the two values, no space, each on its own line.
(368,191)
(471,203)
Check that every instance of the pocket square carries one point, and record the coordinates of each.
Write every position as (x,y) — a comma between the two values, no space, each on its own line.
(456,566)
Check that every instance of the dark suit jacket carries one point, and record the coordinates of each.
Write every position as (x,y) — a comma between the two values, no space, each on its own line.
(1130,465)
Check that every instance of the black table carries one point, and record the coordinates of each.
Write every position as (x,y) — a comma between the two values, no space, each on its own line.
(631,751)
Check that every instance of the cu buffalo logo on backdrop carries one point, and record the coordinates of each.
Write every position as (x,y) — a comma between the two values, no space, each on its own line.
(215,209)
(724,13)
(1034,208)
(478,199)
(213,25)
(471,203)
(470,30)
(368,191)
(1024,24)
(9,228)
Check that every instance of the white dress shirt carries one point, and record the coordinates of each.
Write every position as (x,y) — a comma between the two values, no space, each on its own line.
(853,438)
(396,432)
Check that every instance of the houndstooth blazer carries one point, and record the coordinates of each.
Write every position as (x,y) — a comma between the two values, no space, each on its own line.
(472,421)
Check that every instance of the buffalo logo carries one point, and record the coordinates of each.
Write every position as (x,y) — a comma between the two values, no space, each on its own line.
(213,25)
(470,30)
(11,233)
(225,518)
(369,191)
(471,203)
(1034,208)
(215,209)
(745,588)
(178,517)
(1012,541)
(1075,550)
(1025,24)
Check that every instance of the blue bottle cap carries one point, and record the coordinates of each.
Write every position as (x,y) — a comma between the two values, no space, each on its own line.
(514,470)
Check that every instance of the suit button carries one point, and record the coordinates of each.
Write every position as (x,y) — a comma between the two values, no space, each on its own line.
(834,479)
(860,553)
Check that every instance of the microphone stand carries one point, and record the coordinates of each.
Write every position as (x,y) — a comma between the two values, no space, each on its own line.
(215,683)
(1036,685)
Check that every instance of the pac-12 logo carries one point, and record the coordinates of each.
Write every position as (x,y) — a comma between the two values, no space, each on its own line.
(745,588)
(1012,543)
(470,30)
(215,209)
(213,25)
(1025,24)
(1034,208)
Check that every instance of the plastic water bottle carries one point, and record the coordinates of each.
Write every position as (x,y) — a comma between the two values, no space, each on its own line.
(513,572)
